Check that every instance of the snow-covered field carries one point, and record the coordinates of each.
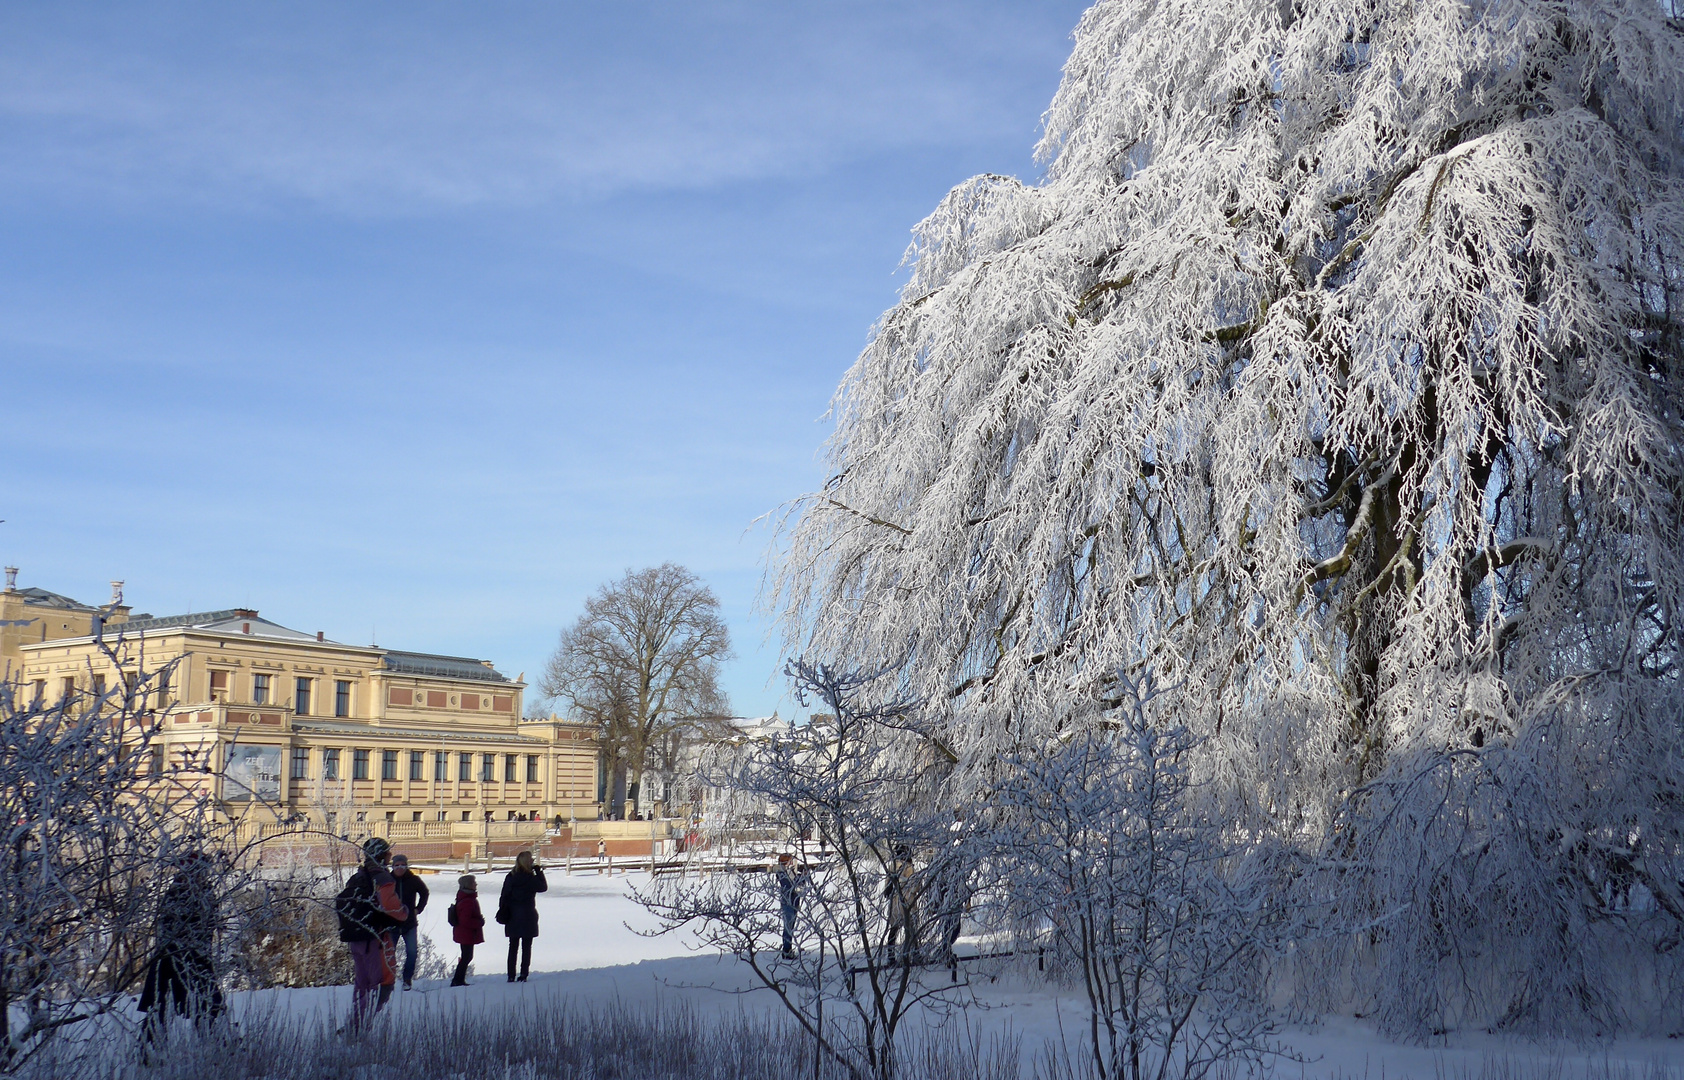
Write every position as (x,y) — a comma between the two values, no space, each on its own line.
(589,950)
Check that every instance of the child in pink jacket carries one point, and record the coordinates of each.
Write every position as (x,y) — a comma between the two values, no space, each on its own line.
(468,925)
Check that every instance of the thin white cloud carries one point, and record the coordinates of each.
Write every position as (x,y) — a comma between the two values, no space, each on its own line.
(372,110)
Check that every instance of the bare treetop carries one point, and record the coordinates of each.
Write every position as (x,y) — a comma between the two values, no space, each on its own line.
(642,661)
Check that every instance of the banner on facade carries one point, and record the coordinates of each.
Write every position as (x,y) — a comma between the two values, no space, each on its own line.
(252,771)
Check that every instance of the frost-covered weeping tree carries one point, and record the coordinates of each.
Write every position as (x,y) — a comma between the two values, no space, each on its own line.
(1333,372)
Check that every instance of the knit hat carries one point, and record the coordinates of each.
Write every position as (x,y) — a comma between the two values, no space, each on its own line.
(467,883)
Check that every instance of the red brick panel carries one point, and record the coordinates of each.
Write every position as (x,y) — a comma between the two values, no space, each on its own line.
(503,703)
(402,696)
(470,702)
(436,699)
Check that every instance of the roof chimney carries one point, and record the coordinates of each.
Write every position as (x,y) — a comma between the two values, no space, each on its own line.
(116,592)
(321,636)
(11,579)
(245,628)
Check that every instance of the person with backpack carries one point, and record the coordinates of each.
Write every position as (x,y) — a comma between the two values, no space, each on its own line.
(517,910)
(467,925)
(369,909)
(413,892)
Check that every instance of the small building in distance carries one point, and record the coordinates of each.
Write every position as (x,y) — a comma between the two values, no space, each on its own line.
(288,725)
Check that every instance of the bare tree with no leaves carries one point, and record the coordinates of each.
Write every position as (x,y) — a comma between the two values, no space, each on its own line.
(641,663)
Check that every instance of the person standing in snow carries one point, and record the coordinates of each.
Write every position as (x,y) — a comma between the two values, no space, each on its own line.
(792,885)
(517,910)
(413,892)
(901,891)
(467,924)
(181,978)
(369,909)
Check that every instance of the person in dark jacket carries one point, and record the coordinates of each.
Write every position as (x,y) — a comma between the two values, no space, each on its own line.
(469,928)
(792,885)
(370,909)
(518,911)
(181,977)
(413,892)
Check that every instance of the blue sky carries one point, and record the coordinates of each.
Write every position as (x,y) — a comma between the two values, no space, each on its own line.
(416,323)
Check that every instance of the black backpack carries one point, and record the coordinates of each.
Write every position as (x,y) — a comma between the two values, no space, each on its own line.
(360,917)
(450,914)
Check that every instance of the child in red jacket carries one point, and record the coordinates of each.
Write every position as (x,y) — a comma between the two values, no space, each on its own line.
(468,925)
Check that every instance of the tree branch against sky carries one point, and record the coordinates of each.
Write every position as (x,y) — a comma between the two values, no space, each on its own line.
(642,663)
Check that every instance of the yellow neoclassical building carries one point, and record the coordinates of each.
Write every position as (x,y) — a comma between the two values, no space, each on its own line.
(355,738)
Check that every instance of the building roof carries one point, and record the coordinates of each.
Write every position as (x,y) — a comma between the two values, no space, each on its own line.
(43,598)
(450,667)
(247,622)
(227,621)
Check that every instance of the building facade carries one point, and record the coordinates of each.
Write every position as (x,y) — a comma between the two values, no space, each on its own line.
(289,726)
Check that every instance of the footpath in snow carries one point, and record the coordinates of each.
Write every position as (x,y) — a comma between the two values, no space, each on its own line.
(589,949)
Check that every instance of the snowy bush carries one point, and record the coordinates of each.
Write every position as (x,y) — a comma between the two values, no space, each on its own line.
(90,838)
(856,782)
(1128,890)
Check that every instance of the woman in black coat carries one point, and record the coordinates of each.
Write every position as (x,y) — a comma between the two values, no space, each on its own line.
(517,910)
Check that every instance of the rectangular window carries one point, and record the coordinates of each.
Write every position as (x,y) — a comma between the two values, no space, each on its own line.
(164,689)
(99,685)
(464,768)
(441,815)
(488,768)
(416,816)
(391,816)
(157,763)
(301,700)
(388,764)
(359,764)
(300,763)
(508,768)
(342,697)
(260,689)
(465,815)
(218,683)
(441,766)
(532,768)
(330,765)
(68,689)
(417,766)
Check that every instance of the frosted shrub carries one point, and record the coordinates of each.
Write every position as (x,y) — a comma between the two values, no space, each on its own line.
(1115,875)
(857,782)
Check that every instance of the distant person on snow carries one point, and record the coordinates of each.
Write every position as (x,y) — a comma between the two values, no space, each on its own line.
(901,890)
(369,910)
(181,978)
(792,885)
(467,925)
(413,892)
(517,910)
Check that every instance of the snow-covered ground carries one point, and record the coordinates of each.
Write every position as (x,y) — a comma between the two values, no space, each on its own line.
(589,949)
